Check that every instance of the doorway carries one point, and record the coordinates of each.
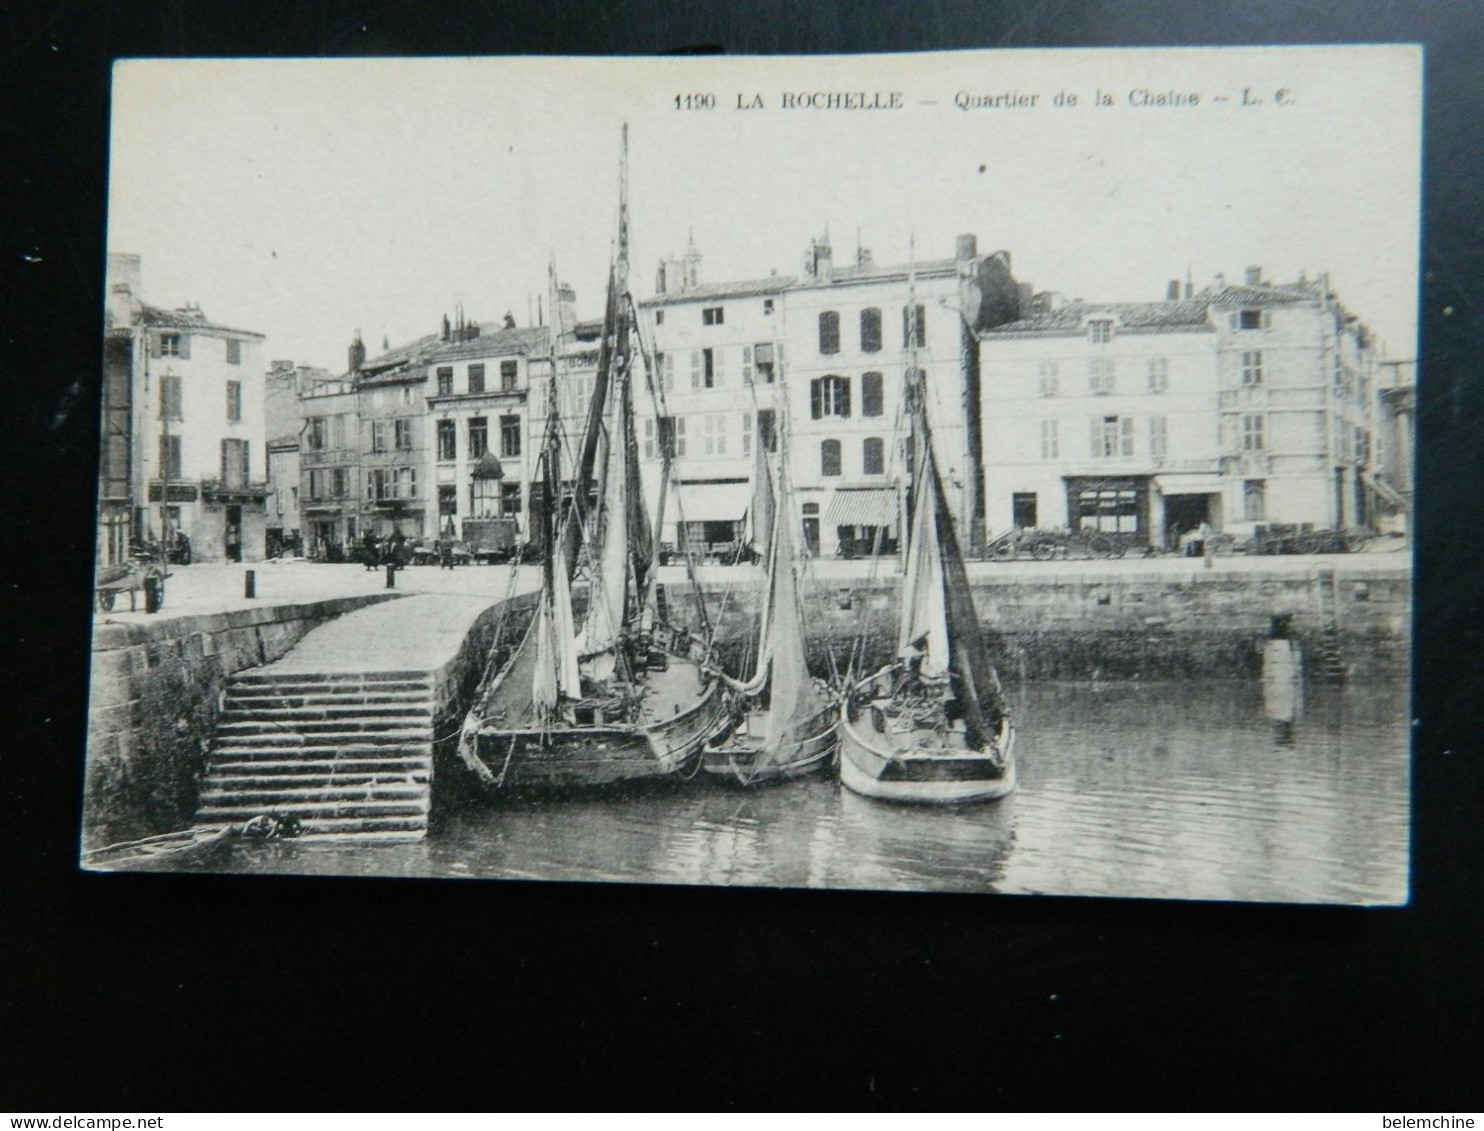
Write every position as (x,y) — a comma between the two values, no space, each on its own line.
(1023,510)
(1184,513)
(233,535)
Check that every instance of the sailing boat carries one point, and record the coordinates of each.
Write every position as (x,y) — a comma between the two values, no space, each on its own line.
(614,700)
(783,725)
(930,726)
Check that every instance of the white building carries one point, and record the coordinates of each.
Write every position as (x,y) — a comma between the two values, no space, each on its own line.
(1235,406)
(183,437)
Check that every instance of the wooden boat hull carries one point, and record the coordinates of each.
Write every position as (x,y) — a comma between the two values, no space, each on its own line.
(597,754)
(748,763)
(160,853)
(926,774)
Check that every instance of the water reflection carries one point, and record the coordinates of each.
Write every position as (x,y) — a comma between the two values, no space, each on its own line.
(1172,789)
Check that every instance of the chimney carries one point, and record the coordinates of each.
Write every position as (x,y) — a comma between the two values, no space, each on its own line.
(1189,289)
(122,291)
(1254,276)
(567,305)
(1172,292)
(447,329)
(357,353)
(966,247)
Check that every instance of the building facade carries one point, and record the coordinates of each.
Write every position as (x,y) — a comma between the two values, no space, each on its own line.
(1234,406)
(184,452)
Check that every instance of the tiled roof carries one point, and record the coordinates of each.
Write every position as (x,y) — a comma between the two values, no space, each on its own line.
(777,284)
(504,340)
(745,288)
(185,319)
(1262,296)
(1185,314)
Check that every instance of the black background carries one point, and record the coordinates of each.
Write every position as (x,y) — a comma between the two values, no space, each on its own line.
(229,993)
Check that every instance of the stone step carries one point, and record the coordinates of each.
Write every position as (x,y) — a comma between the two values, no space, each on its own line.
(344,757)
(229,812)
(325,714)
(403,724)
(321,679)
(298,746)
(319,768)
(321,793)
(235,700)
(360,830)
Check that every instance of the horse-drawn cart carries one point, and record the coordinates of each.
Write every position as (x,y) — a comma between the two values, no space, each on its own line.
(133,577)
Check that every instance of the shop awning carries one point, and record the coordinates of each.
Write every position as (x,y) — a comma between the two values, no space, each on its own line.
(1189,484)
(711,502)
(862,506)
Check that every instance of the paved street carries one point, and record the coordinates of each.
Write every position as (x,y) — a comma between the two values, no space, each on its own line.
(212,588)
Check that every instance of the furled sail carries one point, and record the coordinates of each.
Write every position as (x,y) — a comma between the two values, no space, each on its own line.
(793,698)
(924,623)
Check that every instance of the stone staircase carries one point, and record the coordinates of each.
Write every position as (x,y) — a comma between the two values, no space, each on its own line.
(349,754)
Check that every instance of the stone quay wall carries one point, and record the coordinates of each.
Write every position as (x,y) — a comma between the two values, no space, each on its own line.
(1119,624)
(156,692)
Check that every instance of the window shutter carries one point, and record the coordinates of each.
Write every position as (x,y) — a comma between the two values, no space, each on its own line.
(1234,319)
(185,347)
(246,461)
(845,397)
(154,345)
(1267,319)
(1097,436)
(1126,427)
(225,458)
(816,408)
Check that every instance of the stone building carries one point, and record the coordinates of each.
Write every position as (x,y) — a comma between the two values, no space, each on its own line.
(1238,405)
(183,449)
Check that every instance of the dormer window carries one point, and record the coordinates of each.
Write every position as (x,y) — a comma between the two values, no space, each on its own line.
(1251,320)
(1100,331)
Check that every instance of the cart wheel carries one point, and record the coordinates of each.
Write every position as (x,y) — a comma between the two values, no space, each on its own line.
(105,600)
(1119,549)
(1043,551)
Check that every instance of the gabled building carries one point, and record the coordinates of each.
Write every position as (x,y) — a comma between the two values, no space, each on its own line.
(183,449)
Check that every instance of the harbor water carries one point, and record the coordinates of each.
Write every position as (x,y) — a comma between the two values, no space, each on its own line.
(1270,790)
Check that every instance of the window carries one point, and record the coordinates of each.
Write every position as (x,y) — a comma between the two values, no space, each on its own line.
(339,425)
(1159,374)
(234,351)
(650,447)
(1046,379)
(479,437)
(476,377)
(1050,442)
(914,326)
(714,434)
(767,435)
(872,400)
(1251,367)
(1251,320)
(445,380)
(873,456)
(315,434)
(664,370)
(1112,436)
(659,317)
(1023,509)
(484,497)
(669,430)
(447,440)
(711,367)
(678,439)
(234,402)
(235,463)
(1100,331)
(1255,500)
(870,330)
(379,435)
(1252,432)
(509,498)
(829,332)
(406,394)
(829,457)
(170,406)
(509,372)
(762,356)
(767,306)
(711,316)
(406,483)
(403,433)
(1101,378)
(339,482)
(509,437)
(829,396)
(1158,437)
(170,457)
(448,499)
(171,345)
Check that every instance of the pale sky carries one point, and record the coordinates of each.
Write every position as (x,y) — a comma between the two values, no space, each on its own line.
(306,198)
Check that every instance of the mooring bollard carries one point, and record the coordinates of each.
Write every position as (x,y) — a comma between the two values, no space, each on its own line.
(250,584)
(391,575)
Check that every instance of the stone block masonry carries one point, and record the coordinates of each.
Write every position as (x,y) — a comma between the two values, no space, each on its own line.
(155,697)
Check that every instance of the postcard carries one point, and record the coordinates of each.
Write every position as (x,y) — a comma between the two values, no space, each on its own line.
(980,471)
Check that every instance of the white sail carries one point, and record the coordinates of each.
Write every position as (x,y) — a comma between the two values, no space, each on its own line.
(792,693)
(568,677)
(924,629)
(544,691)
